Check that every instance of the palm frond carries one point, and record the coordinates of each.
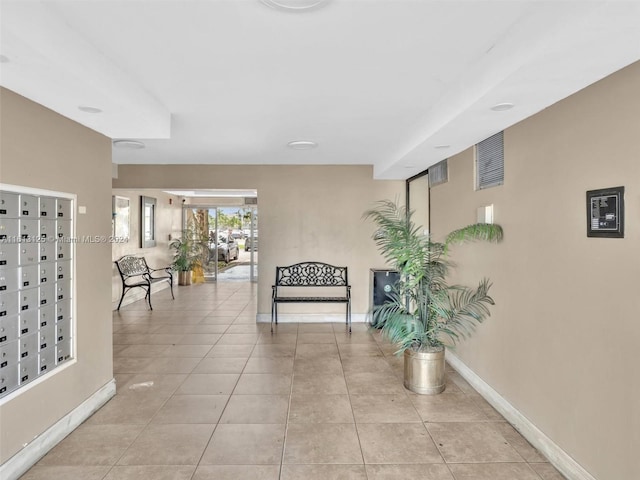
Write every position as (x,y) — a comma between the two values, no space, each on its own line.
(487,232)
(465,309)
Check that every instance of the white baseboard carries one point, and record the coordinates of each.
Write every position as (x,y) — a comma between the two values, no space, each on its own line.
(560,459)
(22,461)
(311,318)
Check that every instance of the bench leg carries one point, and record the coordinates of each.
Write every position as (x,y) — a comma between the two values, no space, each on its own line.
(124,290)
(349,315)
(171,284)
(273,314)
(148,296)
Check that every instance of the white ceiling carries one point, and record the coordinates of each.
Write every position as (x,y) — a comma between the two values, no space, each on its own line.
(377,82)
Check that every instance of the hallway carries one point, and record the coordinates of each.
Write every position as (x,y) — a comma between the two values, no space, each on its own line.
(205,393)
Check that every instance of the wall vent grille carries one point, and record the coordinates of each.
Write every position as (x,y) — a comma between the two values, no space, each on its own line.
(438,173)
(490,162)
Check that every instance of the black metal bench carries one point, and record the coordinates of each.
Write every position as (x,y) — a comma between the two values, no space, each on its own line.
(135,273)
(310,274)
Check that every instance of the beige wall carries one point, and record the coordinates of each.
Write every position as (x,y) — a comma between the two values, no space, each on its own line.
(41,149)
(306,213)
(168,222)
(562,344)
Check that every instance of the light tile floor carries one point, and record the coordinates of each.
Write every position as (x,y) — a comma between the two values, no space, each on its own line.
(205,393)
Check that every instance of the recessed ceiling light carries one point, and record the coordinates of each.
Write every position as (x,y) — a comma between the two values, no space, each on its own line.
(88,109)
(302,145)
(295,5)
(501,107)
(130,144)
(4,59)
(442,147)
(410,166)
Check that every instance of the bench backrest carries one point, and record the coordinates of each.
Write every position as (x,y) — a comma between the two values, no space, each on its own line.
(130,266)
(311,274)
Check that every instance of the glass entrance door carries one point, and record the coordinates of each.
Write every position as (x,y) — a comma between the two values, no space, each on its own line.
(228,241)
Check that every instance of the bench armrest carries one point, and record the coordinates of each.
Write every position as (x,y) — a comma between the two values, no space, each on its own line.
(166,269)
(167,273)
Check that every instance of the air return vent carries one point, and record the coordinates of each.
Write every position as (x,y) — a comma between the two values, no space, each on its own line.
(250,200)
(490,162)
(438,173)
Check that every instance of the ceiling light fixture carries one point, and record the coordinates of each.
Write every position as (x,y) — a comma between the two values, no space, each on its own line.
(130,144)
(442,147)
(295,5)
(501,107)
(302,145)
(410,166)
(87,109)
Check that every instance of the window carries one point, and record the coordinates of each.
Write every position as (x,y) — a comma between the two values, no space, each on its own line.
(147,222)
(490,162)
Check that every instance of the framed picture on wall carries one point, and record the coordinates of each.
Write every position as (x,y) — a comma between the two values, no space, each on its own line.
(605,212)
(120,217)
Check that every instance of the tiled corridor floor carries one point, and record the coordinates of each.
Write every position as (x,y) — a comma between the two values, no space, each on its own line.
(205,393)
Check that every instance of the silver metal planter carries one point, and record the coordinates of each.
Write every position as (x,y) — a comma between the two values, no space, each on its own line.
(424,372)
(184,278)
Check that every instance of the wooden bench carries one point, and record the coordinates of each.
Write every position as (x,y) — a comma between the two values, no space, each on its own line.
(135,273)
(310,274)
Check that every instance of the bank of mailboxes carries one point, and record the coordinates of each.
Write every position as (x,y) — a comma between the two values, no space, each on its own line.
(36,287)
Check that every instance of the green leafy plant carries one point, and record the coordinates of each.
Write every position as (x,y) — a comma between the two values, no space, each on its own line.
(188,250)
(424,311)
(183,261)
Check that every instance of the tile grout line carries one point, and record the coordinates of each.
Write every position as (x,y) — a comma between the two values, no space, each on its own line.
(355,424)
(286,425)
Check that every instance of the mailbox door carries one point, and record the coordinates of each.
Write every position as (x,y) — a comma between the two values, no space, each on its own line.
(9,205)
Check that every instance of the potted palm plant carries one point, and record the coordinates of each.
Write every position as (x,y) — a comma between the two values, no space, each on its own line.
(187,253)
(425,313)
(183,259)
